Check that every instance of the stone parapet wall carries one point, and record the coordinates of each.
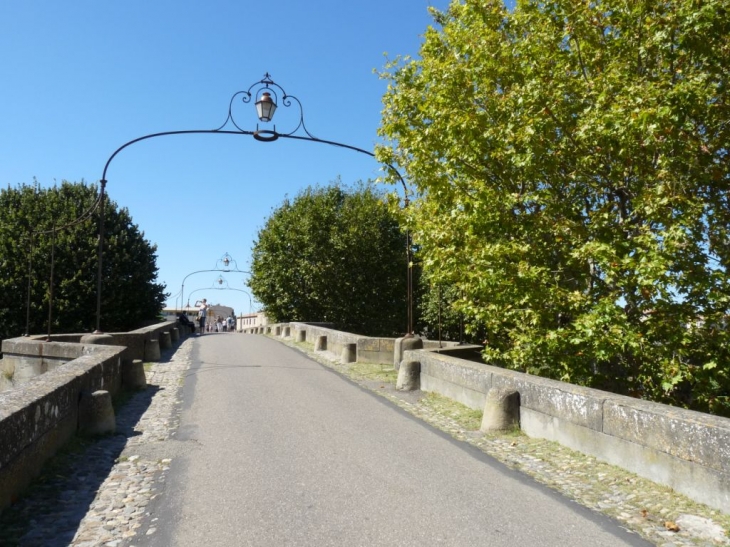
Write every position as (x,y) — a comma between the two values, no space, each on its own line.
(46,381)
(25,358)
(38,418)
(685,450)
(368,349)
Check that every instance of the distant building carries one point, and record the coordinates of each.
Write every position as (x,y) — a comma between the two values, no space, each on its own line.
(214,310)
(218,310)
(243,321)
(171,314)
(251,320)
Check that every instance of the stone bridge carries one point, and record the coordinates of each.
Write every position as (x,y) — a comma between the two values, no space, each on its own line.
(51,388)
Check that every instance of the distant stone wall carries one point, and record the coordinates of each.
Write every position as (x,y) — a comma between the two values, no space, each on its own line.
(685,450)
(25,358)
(368,349)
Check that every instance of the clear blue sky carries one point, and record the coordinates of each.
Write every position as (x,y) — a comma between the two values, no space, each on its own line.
(81,78)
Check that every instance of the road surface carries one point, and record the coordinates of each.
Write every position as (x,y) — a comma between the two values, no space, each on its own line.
(274,449)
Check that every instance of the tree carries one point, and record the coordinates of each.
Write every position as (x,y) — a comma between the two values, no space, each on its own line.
(333,254)
(571,165)
(30,220)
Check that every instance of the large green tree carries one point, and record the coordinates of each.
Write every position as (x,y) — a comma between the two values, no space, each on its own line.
(571,163)
(333,254)
(50,226)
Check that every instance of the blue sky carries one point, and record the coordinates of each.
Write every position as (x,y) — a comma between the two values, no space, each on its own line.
(81,78)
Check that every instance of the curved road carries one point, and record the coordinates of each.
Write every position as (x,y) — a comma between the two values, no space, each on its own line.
(275,449)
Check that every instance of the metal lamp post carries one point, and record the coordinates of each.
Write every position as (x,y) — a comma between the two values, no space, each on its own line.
(264,94)
(53,231)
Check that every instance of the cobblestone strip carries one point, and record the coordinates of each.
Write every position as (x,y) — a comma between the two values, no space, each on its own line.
(121,503)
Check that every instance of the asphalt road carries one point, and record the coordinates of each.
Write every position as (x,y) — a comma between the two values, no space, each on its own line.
(275,450)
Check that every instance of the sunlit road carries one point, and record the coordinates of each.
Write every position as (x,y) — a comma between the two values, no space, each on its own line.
(276,449)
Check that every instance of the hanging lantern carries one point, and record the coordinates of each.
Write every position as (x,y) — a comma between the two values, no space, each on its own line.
(265,107)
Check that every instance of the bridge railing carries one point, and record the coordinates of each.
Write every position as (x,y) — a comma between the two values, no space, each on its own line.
(48,387)
(685,450)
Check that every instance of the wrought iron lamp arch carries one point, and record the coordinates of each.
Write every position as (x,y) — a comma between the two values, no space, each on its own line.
(258,90)
(226,261)
(220,282)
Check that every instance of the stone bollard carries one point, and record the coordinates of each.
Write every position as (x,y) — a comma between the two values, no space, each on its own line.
(96,413)
(165,340)
(501,410)
(320,344)
(287,332)
(409,376)
(175,334)
(101,339)
(133,375)
(151,350)
(408,342)
(301,336)
(349,353)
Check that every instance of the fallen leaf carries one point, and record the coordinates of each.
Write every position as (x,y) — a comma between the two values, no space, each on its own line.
(644,513)
(671,526)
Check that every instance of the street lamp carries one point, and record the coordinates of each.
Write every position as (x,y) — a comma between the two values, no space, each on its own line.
(265,107)
(220,281)
(226,263)
(266,93)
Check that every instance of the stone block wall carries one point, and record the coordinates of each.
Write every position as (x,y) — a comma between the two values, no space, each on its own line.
(25,358)
(369,349)
(686,450)
(37,419)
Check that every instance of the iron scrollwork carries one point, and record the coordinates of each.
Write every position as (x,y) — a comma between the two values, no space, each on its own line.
(280,97)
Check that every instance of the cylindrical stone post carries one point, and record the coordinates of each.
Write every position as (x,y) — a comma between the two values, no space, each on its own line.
(320,344)
(165,340)
(133,375)
(349,353)
(102,339)
(301,336)
(151,351)
(409,376)
(501,410)
(409,342)
(397,352)
(175,334)
(96,414)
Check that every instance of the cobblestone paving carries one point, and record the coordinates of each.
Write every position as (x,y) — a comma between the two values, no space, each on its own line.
(97,495)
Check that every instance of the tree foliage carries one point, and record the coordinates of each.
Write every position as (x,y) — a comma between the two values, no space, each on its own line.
(130,294)
(571,162)
(333,254)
